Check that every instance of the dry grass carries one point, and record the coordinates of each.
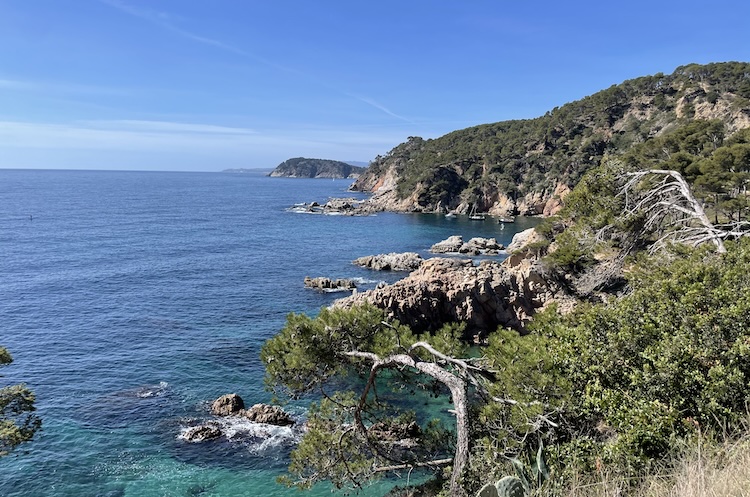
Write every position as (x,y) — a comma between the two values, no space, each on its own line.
(713,471)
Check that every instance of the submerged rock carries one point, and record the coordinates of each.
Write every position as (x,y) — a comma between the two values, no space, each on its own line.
(395,431)
(406,261)
(227,405)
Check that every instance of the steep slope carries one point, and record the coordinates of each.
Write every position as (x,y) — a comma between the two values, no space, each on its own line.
(527,166)
(301,167)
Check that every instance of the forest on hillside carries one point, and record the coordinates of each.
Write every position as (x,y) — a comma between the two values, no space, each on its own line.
(516,158)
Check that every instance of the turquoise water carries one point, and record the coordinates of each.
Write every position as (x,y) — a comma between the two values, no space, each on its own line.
(131,300)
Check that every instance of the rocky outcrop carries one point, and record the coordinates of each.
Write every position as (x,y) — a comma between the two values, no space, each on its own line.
(484,297)
(267,414)
(406,261)
(555,203)
(450,245)
(347,206)
(232,405)
(329,285)
(227,405)
(475,246)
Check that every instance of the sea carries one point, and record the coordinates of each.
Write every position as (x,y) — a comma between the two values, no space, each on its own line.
(131,300)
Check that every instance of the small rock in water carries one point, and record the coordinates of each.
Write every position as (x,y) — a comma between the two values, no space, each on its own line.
(272,415)
(232,404)
(201,433)
(227,405)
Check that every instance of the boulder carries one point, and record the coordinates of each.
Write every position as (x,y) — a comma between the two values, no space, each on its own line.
(407,261)
(227,405)
(452,244)
(524,238)
(481,246)
(328,284)
(201,433)
(475,246)
(268,414)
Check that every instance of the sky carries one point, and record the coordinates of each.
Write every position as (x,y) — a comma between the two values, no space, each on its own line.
(206,85)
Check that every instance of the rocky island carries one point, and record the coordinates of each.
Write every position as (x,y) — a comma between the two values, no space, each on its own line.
(300,167)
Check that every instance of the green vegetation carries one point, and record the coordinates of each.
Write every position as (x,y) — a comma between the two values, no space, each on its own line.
(300,167)
(667,361)
(18,424)
(624,385)
(514,158)
(351,359)
(653,362)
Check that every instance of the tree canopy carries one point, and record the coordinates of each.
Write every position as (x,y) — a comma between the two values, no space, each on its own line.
(350,358)
(534,155)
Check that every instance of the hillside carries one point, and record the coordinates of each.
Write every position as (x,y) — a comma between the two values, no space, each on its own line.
(301,167)
(527,166)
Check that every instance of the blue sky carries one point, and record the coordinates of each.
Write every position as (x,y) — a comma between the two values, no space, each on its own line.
(204,85)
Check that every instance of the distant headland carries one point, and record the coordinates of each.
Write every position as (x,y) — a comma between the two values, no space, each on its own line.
(301,167)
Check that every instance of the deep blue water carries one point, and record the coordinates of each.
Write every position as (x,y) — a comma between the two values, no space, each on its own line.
(131,300)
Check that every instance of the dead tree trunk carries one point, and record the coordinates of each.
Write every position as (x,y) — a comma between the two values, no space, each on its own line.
(671,202)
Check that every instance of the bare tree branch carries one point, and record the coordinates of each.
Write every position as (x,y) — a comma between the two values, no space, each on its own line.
(671,203)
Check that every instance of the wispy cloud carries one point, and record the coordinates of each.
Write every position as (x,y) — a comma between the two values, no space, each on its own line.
(180,139)
(11,84)
(380,107)
(167,22)
(165,127)
(123,134)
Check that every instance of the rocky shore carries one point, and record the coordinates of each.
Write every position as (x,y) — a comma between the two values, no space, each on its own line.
(486,296)
(348,206)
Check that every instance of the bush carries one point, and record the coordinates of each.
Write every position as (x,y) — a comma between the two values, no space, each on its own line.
(667,361)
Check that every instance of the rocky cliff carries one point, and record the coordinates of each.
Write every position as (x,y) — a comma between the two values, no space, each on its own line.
(528,166)
(301,167)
